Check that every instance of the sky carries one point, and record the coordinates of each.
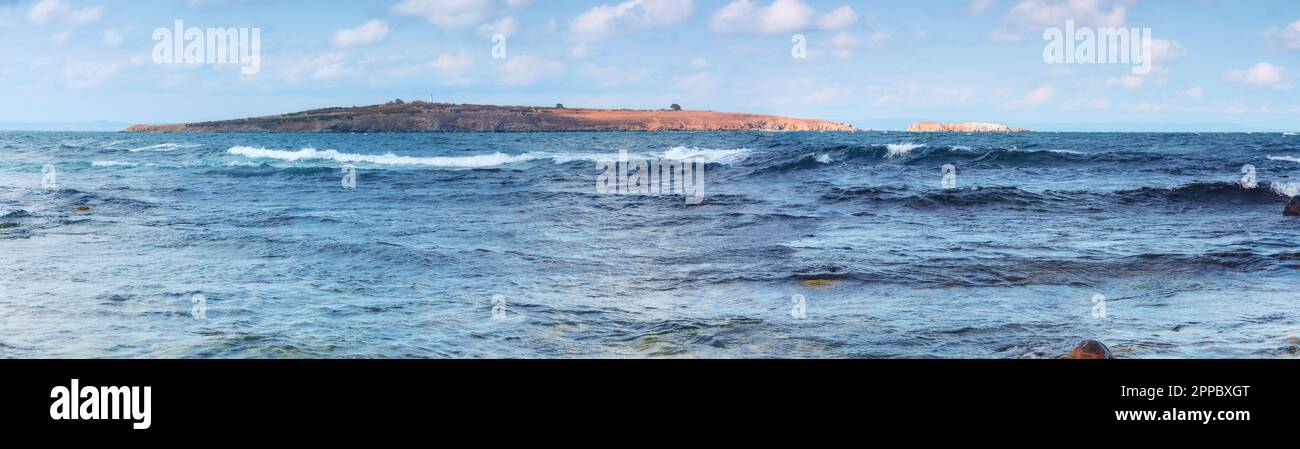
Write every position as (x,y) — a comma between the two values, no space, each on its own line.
(1217,65)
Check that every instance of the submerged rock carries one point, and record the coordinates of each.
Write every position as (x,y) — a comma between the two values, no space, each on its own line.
(1292,208)
(8,225)
(1090,349)
(820,283)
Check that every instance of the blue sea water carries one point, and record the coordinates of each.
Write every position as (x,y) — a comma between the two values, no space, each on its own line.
(442,228)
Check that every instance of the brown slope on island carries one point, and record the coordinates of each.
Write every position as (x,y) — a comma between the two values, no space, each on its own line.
(963,127)
(437,117)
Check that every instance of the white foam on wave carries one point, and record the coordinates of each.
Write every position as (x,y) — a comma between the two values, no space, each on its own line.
(166,147)
(707,155)
(478,161)
(1284,158)
(824,158)
(485,160)
(1017,149)
(112,164)
(1288,189)
(902,149)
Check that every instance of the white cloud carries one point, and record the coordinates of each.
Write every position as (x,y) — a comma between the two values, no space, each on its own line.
(1039,96)
(1034,15)
(1285,37)
(1147,107)
(454,67)
(1130,81)
(332,66)
(47,11)
(615,75)
(1195,92)
(699,64)
(524,70)
(367,33)
(782,16)
(696,82)
(841,17)
(844,43)
(1262,74)
(112,38)
(979,7)
(606,20)
(1037,15)
(453,63)
(88,74)
(455,13)
(1164,51)
(1075,104)
(85,16)
(505,26)
(580,51)
(61,38)
(204,3)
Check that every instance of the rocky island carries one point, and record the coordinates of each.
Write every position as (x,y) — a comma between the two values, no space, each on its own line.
(422,116)
(963,127)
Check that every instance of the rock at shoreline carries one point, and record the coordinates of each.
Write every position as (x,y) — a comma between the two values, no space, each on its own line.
(1090,350)
(963,127)
(1292,208)
(422,116)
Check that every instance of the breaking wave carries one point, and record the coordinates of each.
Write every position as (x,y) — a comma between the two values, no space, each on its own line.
(485,160)
(166,147)
(902,149)
(707,155)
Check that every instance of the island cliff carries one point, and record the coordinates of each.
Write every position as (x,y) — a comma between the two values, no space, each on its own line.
(438,117)
(964,127)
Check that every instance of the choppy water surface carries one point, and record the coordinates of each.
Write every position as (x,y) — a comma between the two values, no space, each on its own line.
(406,265)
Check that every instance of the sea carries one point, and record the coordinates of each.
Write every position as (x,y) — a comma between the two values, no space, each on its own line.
(805,245)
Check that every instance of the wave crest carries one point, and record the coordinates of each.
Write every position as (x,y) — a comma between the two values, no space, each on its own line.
(707,155)
(485,160)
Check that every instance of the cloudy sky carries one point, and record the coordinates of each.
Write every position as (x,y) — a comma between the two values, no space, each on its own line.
(877,64)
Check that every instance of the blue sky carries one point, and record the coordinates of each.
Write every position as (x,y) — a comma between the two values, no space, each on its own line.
(877,64)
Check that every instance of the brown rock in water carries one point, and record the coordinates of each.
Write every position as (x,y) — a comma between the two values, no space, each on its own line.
(1089,350)
(820,283)
(963,127)
(1292,208)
